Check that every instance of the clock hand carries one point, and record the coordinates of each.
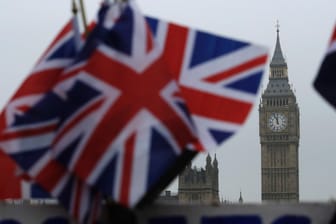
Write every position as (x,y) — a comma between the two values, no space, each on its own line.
(276,118)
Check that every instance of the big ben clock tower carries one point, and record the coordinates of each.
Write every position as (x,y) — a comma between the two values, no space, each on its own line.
(279,131)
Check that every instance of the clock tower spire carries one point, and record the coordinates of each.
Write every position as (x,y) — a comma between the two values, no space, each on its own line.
(278,64)
(279,130)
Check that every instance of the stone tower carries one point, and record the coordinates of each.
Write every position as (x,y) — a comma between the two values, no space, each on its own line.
(199,186)
(279,130)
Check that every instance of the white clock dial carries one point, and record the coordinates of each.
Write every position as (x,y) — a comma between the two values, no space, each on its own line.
(277,122)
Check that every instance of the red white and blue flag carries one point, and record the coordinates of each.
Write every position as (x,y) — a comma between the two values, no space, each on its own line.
(125,122)
(139,93)
(58,56)
(120,119)
(325,81)
(13,185)
(219,77)
(22,125)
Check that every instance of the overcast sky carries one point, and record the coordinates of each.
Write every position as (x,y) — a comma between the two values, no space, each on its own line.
(27,27)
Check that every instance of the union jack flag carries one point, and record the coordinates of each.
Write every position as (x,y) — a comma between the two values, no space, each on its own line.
(116,116)
(122,112)
(325,81)
(219,77)
(23,125)
(119,120)
(13,185)
(58,55)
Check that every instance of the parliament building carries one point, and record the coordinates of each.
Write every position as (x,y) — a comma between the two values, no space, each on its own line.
(199,186)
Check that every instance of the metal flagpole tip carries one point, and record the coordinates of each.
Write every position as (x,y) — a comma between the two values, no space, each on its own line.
(74,7)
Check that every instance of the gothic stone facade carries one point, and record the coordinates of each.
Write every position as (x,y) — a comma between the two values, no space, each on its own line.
(199,186)
(279,134)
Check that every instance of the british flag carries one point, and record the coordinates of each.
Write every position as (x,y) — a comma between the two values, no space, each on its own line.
(122,112)
(325,81)
(121,120)
(58,55)
(22,124)
(117,116)
(219,77)
(13,185)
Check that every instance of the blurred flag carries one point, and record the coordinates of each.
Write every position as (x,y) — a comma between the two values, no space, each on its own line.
(13,185)
(58,55)
(219,77)
(122,112)
(121,121)
(325,82)
(117,118)
(23,124)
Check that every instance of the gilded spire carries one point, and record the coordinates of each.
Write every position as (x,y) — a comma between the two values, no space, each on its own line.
(278,58)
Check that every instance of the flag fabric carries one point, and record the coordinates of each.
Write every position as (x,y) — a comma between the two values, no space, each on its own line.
(117,116)
(135,100)
(16,124)
(13,185)
(325,81)
(156,127)
(219,77)
(58,56)
(123,112)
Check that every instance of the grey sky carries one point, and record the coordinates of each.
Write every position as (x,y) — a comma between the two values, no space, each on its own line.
(305,27)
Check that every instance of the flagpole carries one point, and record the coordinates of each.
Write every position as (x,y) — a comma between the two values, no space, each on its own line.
(82,8)
(74,8)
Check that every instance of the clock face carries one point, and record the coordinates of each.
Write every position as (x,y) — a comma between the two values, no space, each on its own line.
(277,122)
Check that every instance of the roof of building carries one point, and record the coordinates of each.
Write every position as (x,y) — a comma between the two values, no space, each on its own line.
(278,87)
(278,58)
